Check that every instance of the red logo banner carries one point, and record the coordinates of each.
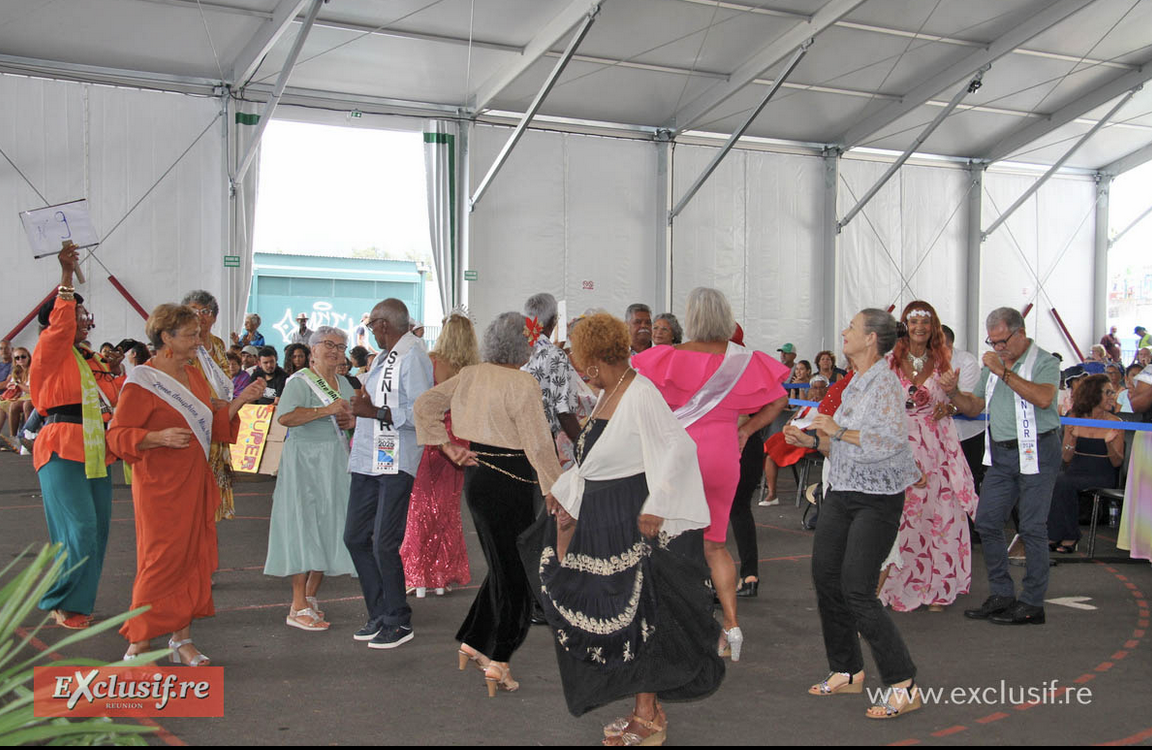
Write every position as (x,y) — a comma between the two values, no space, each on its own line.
(128,691)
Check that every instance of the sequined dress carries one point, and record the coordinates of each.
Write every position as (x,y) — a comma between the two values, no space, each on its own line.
(434,552)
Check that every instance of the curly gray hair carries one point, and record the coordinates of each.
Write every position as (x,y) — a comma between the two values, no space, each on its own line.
(202,298)
(504,341)
(327,331)
(677,329)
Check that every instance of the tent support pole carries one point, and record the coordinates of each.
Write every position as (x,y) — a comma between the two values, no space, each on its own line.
(719,157)
(1059,163)
(974,263)
(968,88)
(829,239)
(278,90)
(533,108)
(1100,255)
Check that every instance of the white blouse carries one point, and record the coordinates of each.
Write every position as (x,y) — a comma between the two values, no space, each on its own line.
(643,437)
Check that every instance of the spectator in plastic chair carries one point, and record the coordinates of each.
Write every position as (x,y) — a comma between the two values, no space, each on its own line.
(1144,356)
(802,373)
(777,450)
(16,399)
(251,333)
(788,355)
(5,362)
(1122,401)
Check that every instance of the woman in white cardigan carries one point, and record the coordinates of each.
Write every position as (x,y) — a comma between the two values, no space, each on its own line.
(622,571)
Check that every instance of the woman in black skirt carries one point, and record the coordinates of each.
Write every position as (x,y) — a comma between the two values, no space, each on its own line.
(622,569)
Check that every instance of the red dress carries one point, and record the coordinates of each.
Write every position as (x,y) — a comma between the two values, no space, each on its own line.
(678,374)
(175,497)
(434,552)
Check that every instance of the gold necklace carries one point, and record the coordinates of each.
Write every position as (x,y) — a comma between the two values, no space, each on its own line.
(596,408)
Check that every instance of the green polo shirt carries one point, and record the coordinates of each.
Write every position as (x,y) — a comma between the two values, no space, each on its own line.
(1002,411)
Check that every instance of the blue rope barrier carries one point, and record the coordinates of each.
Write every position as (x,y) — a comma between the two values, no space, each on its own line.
(1104,423)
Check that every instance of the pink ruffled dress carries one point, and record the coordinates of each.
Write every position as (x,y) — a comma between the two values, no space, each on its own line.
(678,374)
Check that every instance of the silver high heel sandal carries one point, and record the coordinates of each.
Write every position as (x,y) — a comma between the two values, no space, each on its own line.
(734,640)
(198,660)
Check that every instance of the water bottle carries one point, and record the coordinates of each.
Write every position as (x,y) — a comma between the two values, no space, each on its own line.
(1114,514)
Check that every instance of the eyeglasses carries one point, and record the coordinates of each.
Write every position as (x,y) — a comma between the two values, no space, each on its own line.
(333,346)
(21,356)
(1001,342)
(203,311)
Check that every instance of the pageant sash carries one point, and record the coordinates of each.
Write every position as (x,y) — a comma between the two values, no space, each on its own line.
(386,439)
(325,393)
(727,375)
(171,391)
(217,378)
(1027,440)
(93,421)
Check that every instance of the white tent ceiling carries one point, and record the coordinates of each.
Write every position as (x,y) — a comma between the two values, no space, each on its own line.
(1056,65)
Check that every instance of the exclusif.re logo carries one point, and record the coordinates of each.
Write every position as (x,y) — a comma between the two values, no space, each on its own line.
(128,691)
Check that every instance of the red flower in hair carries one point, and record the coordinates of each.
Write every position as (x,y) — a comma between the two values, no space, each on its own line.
(532,330)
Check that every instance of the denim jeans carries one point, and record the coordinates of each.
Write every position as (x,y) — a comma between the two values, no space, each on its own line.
(1004,487)
(855,533)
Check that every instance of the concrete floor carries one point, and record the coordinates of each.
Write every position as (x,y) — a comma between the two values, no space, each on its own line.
(286,686)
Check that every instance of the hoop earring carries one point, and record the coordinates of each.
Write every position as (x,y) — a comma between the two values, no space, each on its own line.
(594,374)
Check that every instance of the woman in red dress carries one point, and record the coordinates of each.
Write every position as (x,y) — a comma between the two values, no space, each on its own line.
(164,426)
(709,408)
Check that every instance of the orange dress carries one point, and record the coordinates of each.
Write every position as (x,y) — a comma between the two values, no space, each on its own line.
(175,496)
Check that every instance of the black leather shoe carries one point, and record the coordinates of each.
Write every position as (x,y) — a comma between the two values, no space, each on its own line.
(1020,614)
(993,605)
(748,589)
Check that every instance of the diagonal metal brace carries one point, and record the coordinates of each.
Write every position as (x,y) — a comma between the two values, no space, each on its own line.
(719,157)
(968,88)
(1124,231)
(534,107)
(1059,163)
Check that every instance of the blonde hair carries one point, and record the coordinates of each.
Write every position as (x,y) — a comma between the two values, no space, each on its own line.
(457,344)
(600,337)
(168,318)
(709,316)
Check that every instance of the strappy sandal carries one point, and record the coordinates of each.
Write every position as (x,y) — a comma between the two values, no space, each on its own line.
(199,660)
(616,727)
(657,733)
(469,654)
(315,606)
(887,707)
(314,621)
(852,686)
(497,677)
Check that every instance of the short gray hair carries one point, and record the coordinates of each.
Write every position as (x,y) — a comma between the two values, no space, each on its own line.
(677,329)
(252,316)
(817,379)
(708,316)
(202,298)
(542,307)
(394,312)
(504,341)
(634,308)
(323,331)
(1009,316)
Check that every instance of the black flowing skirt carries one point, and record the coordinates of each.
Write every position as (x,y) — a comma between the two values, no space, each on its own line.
(628,614)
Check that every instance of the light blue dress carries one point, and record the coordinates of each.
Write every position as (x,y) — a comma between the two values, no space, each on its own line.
(310,503)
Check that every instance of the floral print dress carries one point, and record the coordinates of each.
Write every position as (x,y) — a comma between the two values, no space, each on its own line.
(933,550)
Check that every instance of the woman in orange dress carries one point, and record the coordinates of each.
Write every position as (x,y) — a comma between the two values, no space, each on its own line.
(164,426)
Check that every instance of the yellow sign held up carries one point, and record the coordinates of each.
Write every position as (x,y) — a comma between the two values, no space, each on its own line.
(248,450)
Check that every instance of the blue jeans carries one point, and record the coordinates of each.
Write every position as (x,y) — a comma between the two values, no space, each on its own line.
(1004,487)
(373,533)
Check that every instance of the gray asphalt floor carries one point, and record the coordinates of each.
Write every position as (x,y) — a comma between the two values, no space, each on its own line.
(287,686)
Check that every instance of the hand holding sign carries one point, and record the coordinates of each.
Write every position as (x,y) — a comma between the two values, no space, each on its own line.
(53,227)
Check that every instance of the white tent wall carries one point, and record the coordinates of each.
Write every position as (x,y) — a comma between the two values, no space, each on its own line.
(111,145)
(568,214)
(753,232)
(907,243)
(1052,233)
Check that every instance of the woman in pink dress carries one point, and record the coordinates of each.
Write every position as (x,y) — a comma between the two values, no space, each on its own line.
(709,382)
(931,561)
(434,552)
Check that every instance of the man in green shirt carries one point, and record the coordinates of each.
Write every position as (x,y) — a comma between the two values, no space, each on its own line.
(1025,450)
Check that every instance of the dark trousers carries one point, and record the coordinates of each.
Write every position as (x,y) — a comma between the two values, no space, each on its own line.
(1005,487)
(373,533)
(855,532)
(973,449)
(743,523)
(500,616)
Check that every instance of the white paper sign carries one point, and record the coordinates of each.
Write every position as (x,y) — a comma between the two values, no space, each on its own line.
(50,226)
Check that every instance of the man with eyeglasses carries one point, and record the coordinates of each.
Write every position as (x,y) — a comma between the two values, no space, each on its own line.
(1018,384)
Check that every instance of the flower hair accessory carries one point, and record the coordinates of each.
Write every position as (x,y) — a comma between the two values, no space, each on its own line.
(532,330)
(919,314)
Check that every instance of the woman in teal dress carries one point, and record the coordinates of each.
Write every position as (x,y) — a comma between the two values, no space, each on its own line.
(306,532)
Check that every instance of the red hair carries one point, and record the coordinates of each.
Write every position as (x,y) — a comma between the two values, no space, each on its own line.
(941,360)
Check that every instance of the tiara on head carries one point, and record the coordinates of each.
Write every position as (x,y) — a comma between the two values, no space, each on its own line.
(919,314)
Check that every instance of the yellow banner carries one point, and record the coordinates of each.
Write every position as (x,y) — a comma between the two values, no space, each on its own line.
(247,451)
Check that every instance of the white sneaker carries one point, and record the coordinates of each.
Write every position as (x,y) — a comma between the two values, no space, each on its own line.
(769,503)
